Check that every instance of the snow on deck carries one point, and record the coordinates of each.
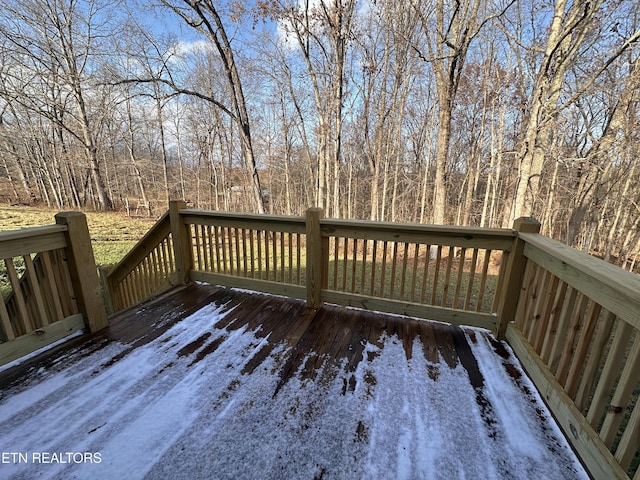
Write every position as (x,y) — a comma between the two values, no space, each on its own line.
(187,405)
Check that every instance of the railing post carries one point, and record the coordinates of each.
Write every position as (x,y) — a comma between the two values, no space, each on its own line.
(514,272)
(317,253)
(82,269)
(181,242)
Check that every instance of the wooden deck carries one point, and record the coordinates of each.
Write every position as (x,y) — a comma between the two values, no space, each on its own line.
(272,389)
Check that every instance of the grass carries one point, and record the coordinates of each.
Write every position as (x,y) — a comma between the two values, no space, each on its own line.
(112,234)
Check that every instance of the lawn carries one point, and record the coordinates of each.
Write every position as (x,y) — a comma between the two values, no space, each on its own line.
(113,234)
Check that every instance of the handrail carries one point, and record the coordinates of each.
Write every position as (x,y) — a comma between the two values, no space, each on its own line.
(491,238)
(16,243)
(244,220)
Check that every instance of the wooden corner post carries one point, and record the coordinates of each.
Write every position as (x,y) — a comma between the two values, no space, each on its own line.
(181,242)
(82,269)
(317,249)
(514,272)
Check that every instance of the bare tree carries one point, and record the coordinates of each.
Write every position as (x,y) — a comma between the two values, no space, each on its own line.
(57,41)
(448,38)
(204,17)
(322,32)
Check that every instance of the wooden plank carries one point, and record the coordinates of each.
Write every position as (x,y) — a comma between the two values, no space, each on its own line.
(238,252)
(373,269)
(298,259)
(520,318)
(345,245)
(25,241)
(25,344)
(63,282)
(383,270)
(549,303)
(403,275)
(483,279)
(354,262)
(612,287)
(609,373)
(223,249)
(595,358)
(5,322)
(283,259)
(538,295)
(456,293)
(266,286)
(232,251)
(497,293)
(252,236)
(197,245)
(496,239)
(425,273)
(30,270)
(472,273)
(206,247)
(429,312)
(363,274)
(556,311)
(266,254)
(275,223)
(25,323)
(630,440)
(394,263)
(622,394)
(436,274)
(569,350)
(447,277)
(218,250)
(290,252)
(594,454)
(560,334)
(582,350)
(414,272)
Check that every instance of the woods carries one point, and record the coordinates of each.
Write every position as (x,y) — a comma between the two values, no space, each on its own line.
(466,112)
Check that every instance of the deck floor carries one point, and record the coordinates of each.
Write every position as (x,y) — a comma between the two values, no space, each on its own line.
(209,382)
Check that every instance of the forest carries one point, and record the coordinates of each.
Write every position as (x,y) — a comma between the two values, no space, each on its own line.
(467,112)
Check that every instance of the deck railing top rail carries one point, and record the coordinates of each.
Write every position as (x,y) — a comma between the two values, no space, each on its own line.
(16,243)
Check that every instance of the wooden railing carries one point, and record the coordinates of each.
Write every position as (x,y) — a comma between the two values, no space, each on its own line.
(50,286)
(572,320)
(148,269)
(577,333)
(450,273)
